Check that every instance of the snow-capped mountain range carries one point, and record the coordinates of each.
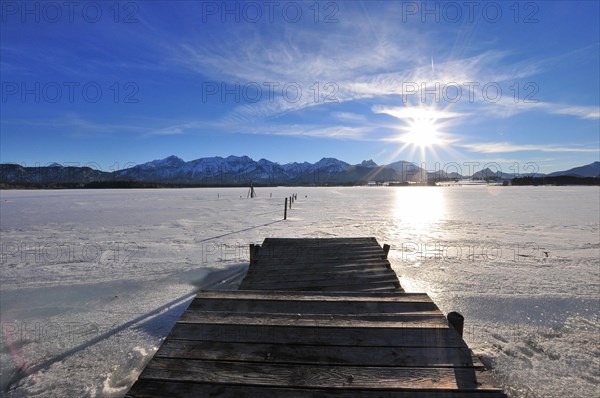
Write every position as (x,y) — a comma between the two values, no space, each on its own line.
(241,170)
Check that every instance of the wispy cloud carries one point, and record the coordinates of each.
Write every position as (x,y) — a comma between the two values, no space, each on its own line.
(78,125)
(582,112)
(349,117)
(505,147)
(411,113)
(356,133)
(506,107)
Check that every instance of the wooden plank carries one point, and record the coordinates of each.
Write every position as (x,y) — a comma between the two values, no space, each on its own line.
(336,307)
(349,336)
(332,285)
(319,296)
(325,271)
(363,321)
(297,249)
(330,265)
(281,280)
(262,256)
(313,376)
(324,263)
(256,279)
(298,271)
(308,252)
(326,246)
(314,354)
(320,243)
(160,388)
(360,244)
(297,262)
(357,288)
(316,252)
(340,281)
(311,259)
(320,240)
(283,270)
(307,275)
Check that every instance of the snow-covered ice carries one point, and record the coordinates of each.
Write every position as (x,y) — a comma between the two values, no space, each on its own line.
(93,280)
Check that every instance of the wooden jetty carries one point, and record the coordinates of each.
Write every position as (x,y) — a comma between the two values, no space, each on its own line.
(315,318)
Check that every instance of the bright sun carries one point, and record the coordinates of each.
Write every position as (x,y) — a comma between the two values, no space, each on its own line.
(422,132)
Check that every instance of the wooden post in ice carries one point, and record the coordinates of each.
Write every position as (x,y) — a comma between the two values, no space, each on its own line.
(457,321)
(251,193)
(386,250)
(285,210)
(251,253)
(290,202)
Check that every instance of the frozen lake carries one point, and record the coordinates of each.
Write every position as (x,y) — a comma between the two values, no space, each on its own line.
(93,280)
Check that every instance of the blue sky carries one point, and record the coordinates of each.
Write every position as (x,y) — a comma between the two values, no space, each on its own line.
(115,84)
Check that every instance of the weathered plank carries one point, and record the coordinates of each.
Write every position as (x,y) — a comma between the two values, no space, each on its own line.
(325,249)
(325,246)
(333,285)
(319,241)
(167,388)
(276,271)
(309,354)
(333,265)
(317,279)
(364,321)
(268,244)
(347,336)
(306,275)
(340,281)
(324,265)
(315,256)
(318,296)
(314,375)
(333,307)
(381,286)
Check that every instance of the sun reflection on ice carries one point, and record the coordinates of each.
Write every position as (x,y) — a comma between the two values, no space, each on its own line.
(417,209)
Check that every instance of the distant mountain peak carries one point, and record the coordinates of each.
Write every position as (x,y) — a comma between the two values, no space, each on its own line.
(170,161)
(331,165)
(403,165)
(588,170)
(173,157)
(244,158)
(368,163)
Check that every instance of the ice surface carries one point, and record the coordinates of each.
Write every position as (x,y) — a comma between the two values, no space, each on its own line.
(93,280)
